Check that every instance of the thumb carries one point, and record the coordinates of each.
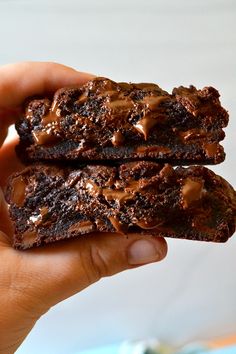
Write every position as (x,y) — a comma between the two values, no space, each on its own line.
(112,253)
(60,271)
(35,280)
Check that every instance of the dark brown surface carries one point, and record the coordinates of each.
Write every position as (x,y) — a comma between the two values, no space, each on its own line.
(51,203)
(104,120)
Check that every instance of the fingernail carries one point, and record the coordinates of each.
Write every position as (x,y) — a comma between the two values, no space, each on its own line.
(143,251)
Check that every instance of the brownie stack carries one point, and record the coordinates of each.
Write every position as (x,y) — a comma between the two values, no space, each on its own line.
(101,158)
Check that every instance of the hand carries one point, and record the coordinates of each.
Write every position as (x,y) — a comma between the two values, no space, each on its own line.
(33,281)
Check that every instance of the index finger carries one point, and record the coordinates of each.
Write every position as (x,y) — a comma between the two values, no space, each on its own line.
(21,80)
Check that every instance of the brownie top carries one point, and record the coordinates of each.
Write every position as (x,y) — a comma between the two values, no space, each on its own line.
(105,112)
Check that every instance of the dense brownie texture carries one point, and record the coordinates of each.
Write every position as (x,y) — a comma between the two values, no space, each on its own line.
(104,120)
(49,203)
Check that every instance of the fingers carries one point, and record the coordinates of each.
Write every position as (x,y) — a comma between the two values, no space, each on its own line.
(61,270)
(35,280)
(18,81)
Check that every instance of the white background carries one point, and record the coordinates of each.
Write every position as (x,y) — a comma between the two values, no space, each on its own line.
(192,294)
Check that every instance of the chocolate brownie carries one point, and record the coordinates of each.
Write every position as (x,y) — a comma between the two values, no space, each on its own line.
(105,120)
(49,203)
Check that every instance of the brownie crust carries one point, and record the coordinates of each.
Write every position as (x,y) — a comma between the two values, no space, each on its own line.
(51,203)
(105,120)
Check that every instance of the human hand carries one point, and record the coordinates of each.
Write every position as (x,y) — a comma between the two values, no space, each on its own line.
(33,281)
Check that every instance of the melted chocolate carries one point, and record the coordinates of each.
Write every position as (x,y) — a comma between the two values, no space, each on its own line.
(18,191)
(153,114)
(153,102)
(110,194)
(53,116)
(38,219)
(117,138)
(50,122)
(145,124)
(118,226)
(211,149)
(119,194)
(157,149)
(44,137)
(29,238)
(193,134)
(93,188)
(192,190)
(82,227)
(148,225)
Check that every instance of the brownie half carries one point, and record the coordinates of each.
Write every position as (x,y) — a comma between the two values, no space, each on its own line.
(49,203)
(105,120)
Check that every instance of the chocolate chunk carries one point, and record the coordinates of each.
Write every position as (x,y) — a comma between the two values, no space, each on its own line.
(105,120)
(55,203)
(28,239)
(192,190)
(117,138)
(18,191)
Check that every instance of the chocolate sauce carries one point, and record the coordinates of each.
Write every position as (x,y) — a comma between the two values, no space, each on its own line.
(93,188)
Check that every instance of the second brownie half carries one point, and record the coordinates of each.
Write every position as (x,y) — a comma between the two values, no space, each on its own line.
(50,203)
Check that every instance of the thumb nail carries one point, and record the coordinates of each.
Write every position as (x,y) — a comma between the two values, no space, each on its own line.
(143,251)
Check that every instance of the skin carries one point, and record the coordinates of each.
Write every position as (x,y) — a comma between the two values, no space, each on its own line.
(33,281)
